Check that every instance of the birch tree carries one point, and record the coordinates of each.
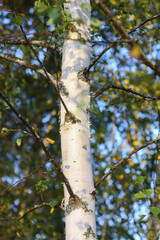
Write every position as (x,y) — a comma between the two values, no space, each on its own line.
(75,129)
(79,87)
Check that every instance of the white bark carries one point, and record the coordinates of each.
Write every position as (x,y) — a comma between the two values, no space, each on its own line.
(75,137)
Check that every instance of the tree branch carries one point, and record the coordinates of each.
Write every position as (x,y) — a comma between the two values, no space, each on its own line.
(142,23)
(93,62)
(39,140)
(129,90)
(123,161)
(4,192)
(8,130)
(27,64)
(43,72)
(23,42)
(119,27)
(129,41)
(27,212)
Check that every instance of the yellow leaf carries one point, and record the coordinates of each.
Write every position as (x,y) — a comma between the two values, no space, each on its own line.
(121,177)
(156,191)
(25,190)
(135,52)
(133,125)
(104,98)
(52,209)
(21,213)
(126,81)
(19,142)
(136,143)
(51,141)
(96,178)
(144,162)
(119,16)
(130,163)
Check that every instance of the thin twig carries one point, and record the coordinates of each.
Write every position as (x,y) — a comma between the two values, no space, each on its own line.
(129,90)
(8,130)
(145,21)
(27,212)
(4,192)
(123,161)
(48,46)
(23,42)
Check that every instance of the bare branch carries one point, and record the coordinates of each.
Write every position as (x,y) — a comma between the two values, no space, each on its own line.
(23,42)
(129,90)
(39,140)
(4,192)
(96,59)
(27,64)
(26,213)
(145,21)
(9,130)
(123,161)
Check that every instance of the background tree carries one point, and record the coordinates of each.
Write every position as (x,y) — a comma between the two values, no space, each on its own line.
(124,114)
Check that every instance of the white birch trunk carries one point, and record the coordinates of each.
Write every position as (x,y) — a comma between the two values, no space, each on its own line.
(75,137)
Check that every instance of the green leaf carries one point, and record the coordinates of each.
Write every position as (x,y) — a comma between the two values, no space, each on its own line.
(95,108)
(67,12)
(155,211)
(42,185)
(4,130)
(78,21)
(54,16)
(142,216)
(151,234)
(16,90)
(140,179)
(96,22)
(109,166)
(139,195)
(24,16)
(158,104)
(21,135)
(157,138)
(82,41)
(53,203)
(19,142)
(87,6)
(148,192)
(41,7)
(17,20)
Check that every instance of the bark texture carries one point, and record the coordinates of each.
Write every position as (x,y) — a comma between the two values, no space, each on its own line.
(75,135)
